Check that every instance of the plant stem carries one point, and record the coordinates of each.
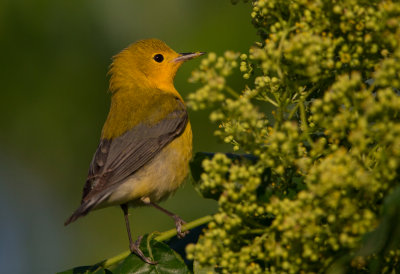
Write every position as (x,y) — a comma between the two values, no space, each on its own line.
(268,99)
(161,237)
(252,231)
(232,92)
(172,232)
(304,122)
(108,262)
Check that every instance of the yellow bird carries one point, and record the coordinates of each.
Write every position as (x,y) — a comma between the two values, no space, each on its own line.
(146,141)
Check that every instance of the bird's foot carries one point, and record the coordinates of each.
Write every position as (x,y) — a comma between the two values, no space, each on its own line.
(178,223)
(135,249)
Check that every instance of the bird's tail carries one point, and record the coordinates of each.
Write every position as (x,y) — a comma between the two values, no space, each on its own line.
(80,212)
(85,208)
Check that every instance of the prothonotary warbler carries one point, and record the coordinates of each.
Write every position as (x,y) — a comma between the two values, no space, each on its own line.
(146,141)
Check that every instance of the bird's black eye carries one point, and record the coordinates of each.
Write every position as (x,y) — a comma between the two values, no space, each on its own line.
(158,58)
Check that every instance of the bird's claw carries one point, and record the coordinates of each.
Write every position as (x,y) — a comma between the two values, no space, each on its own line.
(178,223)
(135,249)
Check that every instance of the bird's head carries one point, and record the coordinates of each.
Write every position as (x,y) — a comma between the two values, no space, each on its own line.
(148,62)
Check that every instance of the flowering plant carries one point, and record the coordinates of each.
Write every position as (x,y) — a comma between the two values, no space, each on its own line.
(320,113)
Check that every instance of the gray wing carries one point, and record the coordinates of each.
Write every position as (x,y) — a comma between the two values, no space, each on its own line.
(117,159)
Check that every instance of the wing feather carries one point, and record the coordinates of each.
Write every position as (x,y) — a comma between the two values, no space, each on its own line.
(117,159)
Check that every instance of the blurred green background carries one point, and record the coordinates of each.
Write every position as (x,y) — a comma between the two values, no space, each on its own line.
(54,100)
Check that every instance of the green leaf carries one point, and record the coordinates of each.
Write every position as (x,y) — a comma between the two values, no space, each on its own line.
(168,261)
(386,236)
(88,269)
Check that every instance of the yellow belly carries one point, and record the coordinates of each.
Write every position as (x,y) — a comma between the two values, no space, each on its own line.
(159,178)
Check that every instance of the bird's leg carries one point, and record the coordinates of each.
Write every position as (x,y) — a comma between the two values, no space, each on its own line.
(178,221)
(134,247)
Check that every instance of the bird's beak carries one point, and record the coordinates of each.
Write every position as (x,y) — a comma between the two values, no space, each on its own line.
(187,56)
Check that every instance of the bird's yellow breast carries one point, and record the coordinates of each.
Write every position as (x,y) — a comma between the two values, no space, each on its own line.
(132,106)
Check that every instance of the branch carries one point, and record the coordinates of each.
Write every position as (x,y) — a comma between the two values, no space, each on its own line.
(161,237)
